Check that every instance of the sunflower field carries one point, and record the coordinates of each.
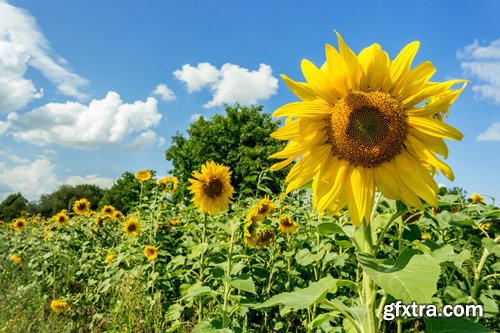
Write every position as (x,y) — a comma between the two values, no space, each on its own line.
(359,226)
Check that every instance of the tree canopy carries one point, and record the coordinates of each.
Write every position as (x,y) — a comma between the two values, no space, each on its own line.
(239,139)
(13,206)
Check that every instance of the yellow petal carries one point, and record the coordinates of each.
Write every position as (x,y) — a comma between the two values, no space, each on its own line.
(291,129)
(401,65)
(351,61)
(416,177)
(360,195)
(385,181)
(319,82)
(436,145)
(300,89)
(434,127)
(292,149)
(375,66)
(337,70)
(426,155)
(329,183)
(414,81)
(310,109)
(437,105)
(431,89)
(405,193)
(281,165)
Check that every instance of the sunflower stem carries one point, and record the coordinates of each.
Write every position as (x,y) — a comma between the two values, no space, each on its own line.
(202,267)
(227,283)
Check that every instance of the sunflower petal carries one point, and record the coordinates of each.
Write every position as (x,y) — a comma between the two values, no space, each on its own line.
(361,195)
(281,165)
(351,61)
(416,177)
(401,65)
(300,89)
(424,154)
(319,82)
(375,67)
(385,181)
(434,127)
(337,70)
(304,110)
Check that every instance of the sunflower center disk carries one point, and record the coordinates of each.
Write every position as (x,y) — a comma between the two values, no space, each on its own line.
(367,128)
(214,188)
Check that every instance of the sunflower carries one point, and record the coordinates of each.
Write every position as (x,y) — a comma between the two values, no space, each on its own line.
(143,175)
(110,257)
(211,188)
(261,209)
(287,225)
(362,125)
(108,210)
(151,252)
(18,260)
(174,222)
(59,306)
(477,198)
(81,206)
(426,236)
(19,224)
(117,215)
(132,227)
(61,218)
(264,238)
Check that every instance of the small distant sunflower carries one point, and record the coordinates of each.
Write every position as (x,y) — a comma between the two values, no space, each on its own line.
(81,206)
(61,218)
(261,209)
(287,225)
(211,188)
(426,236)
(486,226)
(143,175)
(110,257)
(151,252)
(477,198)
(132,227)
(250,232)
(108,210)
(19,224)
(59,306)
(117,215)
(50,228)
(17,259)
(174,222)
(362,125)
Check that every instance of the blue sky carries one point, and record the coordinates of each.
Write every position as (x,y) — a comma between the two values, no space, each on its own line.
(90,89)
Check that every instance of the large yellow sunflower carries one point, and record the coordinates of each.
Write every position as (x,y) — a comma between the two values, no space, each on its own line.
(19,224)
(364,123)
(132,227)
(81,206)
(143,175)
(211,187)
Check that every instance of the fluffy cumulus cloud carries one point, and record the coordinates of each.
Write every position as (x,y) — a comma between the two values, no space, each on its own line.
(482,64)
(229,84)
(105,122)
(164,92)
(32,178)
(23,44)
(492,133)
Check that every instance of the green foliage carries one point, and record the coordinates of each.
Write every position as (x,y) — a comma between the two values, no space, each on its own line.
(239,139)
(64,197)
(13,206)
(125,192)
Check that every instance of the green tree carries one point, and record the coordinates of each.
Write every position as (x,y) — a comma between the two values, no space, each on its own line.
(63,198)
(124,194)
(13,206)
(239,139)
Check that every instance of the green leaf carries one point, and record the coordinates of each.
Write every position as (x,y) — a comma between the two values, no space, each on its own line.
(244,282)
(304,257)
(206,327)
(197,250)
(412,278)
(491,246)
(303,298)
(328,228)
(197,290)
(223,227)
(454,325)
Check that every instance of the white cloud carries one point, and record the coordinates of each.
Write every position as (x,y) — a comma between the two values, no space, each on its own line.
(145,139)
(492,133)
(164,92)
(483,63)
(3,126)
(230,84)
(197,77)
(194,117)
(31,179)
(102,182)
(103,122)
(21,44)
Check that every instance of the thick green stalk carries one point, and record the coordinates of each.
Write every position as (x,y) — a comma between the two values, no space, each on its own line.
(202,267)
(227,283)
